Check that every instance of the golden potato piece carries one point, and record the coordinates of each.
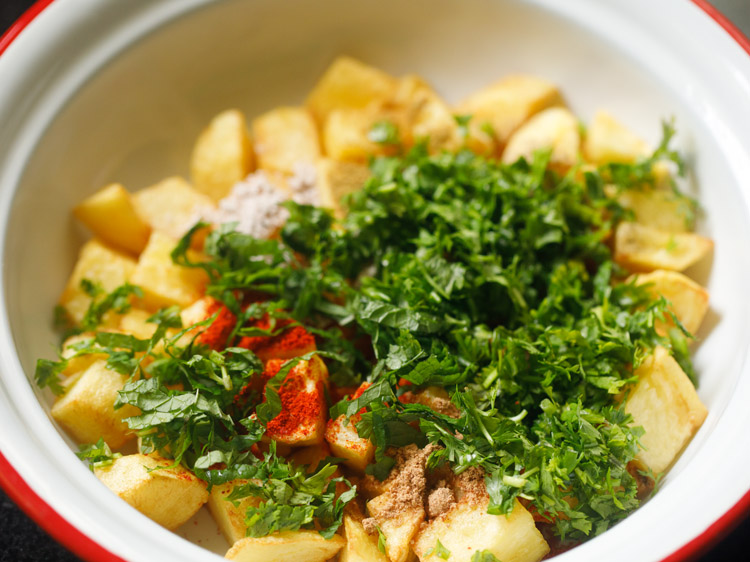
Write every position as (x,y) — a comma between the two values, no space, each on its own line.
(345,135)
(284,137)
(607,140)
(398,527)
(306,381)
(299,546)
(337,179)
(230,518)
(86,410)
(222,156)
(507,104)
(169,496)
(110,214)
(163,282)
(348,84)
(171,206)
(664,402)
(360,547)
(427,115)
(642,248)
(82,362)
(658,208)
(688,300)
(556,129)
(346,443)
(467,528)
(100,264)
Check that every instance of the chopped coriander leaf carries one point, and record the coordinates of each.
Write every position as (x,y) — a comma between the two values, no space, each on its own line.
(439,550)
(484,556)
(98,454)
(384,132)
(292,499)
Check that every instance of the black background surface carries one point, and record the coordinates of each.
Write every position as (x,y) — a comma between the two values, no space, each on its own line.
(21,540)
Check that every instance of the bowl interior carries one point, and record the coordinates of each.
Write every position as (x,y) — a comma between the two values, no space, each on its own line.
(134,121)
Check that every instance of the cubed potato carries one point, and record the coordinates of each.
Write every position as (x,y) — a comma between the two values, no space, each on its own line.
(658,208)
(346,443)
(688,300)
(304,413)
(556,129)
(86,410)
(169,496)
(230,518)
(664,402)
(135,322)
(284,137)
(360,547)
(337,179)
(163,282)
(505,105)
(222,156)
(642,248)
(300,546)
(345,133)
(348,84)
(102,265)
(310,457)
(110,214)
(82,362)
(607,140)
(399,528)
(467,528)
(427,115)
(171,206)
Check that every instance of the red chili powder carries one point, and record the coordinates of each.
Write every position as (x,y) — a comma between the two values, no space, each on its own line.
(216,334)
(292,342)
(300,407)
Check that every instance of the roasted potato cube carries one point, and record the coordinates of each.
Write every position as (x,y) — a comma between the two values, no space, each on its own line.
(284,137)
(230,518)
(110,214)
(507,104)
(303,408)
(135,322)
(223,155)
(657,208)
(556,129)
(348,84)
(337,179)
(688,300)
(100,264)
(642,248)
(310,457)
(86,410)
(165,283)
(360,547)
(427,115)
(664,402)
(171,206)
(468,528)
(345,135)
(300,546)
(399,528)
(607,140)
(170,495)
(82,362)
(346,443)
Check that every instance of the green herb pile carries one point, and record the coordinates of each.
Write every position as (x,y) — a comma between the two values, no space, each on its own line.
(492,281)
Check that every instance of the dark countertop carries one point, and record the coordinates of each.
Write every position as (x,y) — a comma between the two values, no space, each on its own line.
(21,540)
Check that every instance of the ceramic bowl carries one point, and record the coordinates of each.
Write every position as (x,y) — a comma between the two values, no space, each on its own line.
(95,91)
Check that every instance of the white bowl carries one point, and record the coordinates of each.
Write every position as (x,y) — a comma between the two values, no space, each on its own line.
(98,91)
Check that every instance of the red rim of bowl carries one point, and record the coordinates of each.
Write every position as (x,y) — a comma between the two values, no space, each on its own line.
(85,547)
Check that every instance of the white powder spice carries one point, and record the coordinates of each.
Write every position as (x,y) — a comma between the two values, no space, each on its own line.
(255,202)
